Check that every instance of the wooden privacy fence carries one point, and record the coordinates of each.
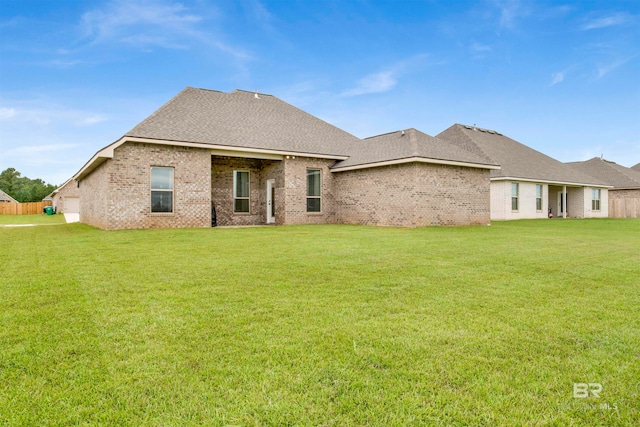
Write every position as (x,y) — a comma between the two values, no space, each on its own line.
(624,208)
(10,208)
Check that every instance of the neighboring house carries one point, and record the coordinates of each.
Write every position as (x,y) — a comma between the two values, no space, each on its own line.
(530,184)
(624,196)
(5,198)
(244,158)
(66,198)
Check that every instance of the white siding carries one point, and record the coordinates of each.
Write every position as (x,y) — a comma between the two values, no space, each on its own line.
(501,201)
(604,204)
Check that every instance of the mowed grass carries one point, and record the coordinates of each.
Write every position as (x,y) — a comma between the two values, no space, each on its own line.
(39,219)
(321,325)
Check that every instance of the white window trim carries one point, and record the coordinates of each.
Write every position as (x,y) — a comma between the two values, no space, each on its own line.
(596,201)
(172,190)
(517,197)
(541,187)
(235,187)
(313,197)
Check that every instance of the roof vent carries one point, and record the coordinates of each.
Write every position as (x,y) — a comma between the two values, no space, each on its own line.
(474,127)
(255,95)
(402,133)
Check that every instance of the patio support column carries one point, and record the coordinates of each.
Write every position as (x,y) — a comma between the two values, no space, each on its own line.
(564,201)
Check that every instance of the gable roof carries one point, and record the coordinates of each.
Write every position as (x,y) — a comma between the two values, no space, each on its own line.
(409,145)
(242,119)
(610,172)
(636,167)
(516,160)
(4,197)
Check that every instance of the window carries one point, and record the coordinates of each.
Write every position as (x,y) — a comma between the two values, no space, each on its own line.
(514,196)
(538,197)
(595,199)
(241,191)
(314,184)
(161,189)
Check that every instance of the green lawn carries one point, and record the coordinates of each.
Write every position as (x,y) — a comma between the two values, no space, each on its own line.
(321,325)
(39,219)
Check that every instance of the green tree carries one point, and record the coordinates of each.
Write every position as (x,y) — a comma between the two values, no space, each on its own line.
(22,188)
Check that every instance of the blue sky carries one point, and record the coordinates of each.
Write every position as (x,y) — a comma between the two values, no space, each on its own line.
(560,76)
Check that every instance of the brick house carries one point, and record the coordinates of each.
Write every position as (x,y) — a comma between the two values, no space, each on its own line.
(624,195)
(530,184)
(66,198)
(246,158)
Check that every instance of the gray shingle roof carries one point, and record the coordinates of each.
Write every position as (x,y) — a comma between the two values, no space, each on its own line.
(240,119)
(405,145)
(515,159)
(610,172)
(636,167)
(4,197)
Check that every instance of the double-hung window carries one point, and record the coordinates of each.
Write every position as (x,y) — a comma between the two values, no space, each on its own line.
(595,199)
(515,188)
(538,197)
(314,190)
(241,191)
(162,189)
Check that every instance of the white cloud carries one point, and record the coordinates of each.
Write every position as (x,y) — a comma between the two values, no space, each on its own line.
(119,15)
(607,21)
(557,78)
(153,23)
(603,70)
(7,113)
(373,83)
(477,47)
(92,120)
(45,115)
(30,150)
(510,10)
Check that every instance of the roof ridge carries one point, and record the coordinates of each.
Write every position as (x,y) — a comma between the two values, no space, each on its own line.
(474,143)
(382,134)
(251,92)
(413,140)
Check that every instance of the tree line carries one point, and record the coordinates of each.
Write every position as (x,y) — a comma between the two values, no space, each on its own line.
(24,189)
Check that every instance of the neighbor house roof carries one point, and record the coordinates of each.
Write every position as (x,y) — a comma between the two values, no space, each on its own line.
(409,145)
(236,121)
(516,160)
(610,172)
(4,197)
(636,167)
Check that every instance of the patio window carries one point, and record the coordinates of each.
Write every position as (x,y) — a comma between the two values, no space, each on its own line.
(515,189)
(161,189)
(314,184)
(595,199)
(538,197)
(241,191)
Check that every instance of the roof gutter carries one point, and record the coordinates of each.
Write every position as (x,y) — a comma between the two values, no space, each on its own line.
(544,181)
(222,150)
(413,160)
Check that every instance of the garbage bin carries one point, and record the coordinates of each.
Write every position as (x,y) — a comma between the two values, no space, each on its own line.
(48,210)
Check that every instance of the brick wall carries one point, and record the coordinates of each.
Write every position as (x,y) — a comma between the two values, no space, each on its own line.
(70,189)
(295,200)
(259,172)
(94,190)
(413,195)
(118,194)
